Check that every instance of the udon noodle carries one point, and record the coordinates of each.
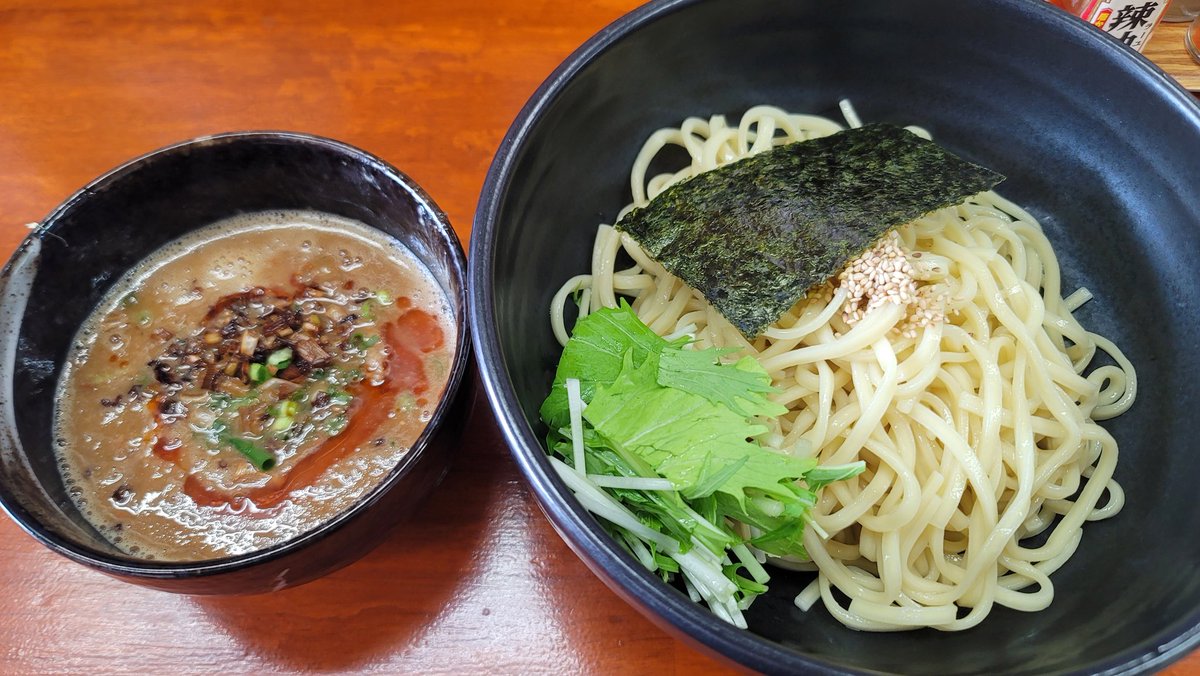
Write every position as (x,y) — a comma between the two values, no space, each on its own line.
(984,458)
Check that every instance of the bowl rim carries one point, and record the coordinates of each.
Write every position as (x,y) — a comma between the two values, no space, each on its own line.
(658,602)
(123,566)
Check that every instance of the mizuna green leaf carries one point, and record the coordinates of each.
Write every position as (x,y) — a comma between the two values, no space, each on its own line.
(657,409)
(687,438)
(594,355)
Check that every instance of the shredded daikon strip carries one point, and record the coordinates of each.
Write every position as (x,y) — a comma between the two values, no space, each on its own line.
(635,483)
(575,406)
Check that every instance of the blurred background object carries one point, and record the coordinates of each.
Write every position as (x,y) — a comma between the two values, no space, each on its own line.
(1182,10)
(1191,39)
(1130,21)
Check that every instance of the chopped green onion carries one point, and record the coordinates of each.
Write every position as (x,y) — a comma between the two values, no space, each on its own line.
(280,359)
(220,401)
(258,373)
(437,366)
(383,297)
(341,397)
(367,310)
(299,395)
(341,377)
(335,425)
(406,402)
(143,318)
(284,413)
(361,342)
(258,456)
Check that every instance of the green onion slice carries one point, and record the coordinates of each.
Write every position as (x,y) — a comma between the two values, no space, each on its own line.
(335,425)
(284,413)
(258,373)
(257,455)
(362,342)
(280,359)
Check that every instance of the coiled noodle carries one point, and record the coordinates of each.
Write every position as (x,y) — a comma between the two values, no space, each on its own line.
(984,458)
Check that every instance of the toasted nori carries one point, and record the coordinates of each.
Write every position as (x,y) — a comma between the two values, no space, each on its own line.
(755,235)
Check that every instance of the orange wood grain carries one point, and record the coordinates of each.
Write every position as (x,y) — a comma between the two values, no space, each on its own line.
(480,581)
(1166,49)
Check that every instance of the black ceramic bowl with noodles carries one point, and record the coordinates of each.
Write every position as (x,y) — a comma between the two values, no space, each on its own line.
(1096,142)
(73,257)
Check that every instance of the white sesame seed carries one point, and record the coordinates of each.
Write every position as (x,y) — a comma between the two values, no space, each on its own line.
(882,275)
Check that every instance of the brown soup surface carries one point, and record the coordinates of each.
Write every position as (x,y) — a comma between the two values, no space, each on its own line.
(244,384)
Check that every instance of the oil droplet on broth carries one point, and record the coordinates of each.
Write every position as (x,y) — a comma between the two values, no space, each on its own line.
(225,268)
(192,296)
(348,262)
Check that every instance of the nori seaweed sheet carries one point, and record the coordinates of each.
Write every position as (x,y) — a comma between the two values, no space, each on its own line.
(755,235)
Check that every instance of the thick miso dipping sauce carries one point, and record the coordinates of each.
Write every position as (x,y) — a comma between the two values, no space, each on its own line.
(246,383)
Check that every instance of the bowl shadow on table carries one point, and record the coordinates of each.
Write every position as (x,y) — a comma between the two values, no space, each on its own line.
(388,600)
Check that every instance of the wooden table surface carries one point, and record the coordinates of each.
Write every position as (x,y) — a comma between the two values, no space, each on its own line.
(480,581)
(1166,49)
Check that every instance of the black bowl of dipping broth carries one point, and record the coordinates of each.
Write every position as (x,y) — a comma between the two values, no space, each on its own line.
(59,272)
(1096,142)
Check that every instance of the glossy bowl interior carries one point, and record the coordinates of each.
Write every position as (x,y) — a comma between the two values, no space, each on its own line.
(68,263)
(1096,142)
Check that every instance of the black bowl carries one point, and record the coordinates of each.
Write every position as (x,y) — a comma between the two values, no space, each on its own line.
(1097,143)
(66,265)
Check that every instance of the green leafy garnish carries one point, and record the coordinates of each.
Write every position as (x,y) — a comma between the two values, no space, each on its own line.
(656,409)
(595,354)
(742,389)
(822,476)
(700,446)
